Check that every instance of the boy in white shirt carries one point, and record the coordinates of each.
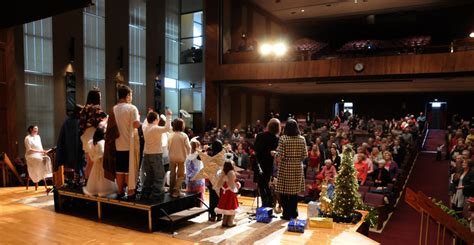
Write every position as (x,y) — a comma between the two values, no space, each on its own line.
(153,169)
(127,119)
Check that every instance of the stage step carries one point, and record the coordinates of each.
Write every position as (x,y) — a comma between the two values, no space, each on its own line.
(185,214)
(182,216)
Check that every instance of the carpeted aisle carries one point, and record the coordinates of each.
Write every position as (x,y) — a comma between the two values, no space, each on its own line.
(429,176)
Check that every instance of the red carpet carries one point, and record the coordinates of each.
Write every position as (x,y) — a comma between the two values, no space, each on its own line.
(428,176)
(435,138)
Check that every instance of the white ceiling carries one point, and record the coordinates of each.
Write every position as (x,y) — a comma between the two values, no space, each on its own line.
(292,9)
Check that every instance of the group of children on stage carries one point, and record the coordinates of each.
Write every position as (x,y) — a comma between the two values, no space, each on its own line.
(185,163)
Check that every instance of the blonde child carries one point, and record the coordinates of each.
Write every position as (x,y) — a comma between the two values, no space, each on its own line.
(193,166)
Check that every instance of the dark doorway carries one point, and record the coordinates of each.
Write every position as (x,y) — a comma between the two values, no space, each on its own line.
(437,112)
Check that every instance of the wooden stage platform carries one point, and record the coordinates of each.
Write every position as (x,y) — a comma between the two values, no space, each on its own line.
(158,213)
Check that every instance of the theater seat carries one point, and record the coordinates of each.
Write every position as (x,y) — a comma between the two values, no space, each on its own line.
(364,188)
(374,200)
(362,194)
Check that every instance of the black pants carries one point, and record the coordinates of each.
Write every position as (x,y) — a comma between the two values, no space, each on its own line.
(289,203)
(264,189)
(213,201)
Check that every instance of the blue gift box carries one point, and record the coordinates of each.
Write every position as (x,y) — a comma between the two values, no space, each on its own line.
(264,214)
(297,225)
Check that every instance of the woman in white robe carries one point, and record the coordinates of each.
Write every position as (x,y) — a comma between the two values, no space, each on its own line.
(37,160)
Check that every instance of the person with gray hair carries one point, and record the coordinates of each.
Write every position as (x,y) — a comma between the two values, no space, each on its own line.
(381,176)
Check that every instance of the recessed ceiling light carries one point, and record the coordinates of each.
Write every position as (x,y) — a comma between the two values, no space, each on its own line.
(471,35)
(302,11)
(270,84)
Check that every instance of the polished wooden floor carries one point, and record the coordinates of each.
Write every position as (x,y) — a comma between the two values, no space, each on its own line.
(25,224)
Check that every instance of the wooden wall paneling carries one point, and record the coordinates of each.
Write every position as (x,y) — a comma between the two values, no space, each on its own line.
(155,49)
(8,127)
(116,38)
(236,28)
(212,30)
(19,69)
(66,26)
(235,104)
(248,111)
(374,66)
(250,29)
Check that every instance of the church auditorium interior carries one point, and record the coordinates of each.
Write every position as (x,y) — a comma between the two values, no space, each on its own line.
(237,122)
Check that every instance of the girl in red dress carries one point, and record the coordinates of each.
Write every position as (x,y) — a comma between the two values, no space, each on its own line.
(229,186)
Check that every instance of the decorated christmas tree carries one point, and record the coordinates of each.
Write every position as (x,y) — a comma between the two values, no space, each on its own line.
(346,195)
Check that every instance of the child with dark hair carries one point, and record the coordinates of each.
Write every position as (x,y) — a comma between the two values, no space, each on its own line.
(97,183)
(215,148)
(229,186)
(90,117)
(152,166)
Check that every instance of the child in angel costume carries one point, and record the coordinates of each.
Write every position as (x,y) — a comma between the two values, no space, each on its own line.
(228,186)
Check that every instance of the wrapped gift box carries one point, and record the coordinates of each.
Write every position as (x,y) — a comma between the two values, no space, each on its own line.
(264,214)
(313,209)
(297,225)
(320,222)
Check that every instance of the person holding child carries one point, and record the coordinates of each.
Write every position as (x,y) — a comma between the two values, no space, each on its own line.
(228,184)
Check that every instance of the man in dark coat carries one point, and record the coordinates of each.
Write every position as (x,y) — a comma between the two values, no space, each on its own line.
(265,143)
(69,147)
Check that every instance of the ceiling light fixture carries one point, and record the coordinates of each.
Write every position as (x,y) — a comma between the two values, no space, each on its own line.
(280,49)
(302,11)
(471,35)
(266,49)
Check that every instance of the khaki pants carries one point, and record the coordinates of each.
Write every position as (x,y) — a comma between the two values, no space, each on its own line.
(176,182)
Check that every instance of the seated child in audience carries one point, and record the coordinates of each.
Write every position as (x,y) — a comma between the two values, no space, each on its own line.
(315,188)
(193,166)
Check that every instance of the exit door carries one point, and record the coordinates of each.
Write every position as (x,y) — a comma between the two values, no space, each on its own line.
(437,112)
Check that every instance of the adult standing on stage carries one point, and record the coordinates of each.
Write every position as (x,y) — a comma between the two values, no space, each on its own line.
(89,119)
(265,143)
(291,151)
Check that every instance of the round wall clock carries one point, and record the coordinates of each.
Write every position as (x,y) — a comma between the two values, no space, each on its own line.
(358,67)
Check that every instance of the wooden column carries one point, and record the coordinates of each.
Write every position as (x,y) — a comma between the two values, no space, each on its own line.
(116,47)
(67,27)
(8,127)
(212,33)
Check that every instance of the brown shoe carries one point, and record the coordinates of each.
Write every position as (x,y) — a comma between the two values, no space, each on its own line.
(230,221)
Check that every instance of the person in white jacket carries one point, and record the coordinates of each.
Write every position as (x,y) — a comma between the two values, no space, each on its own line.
(152,166)
(179,148)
